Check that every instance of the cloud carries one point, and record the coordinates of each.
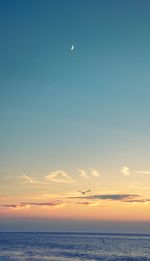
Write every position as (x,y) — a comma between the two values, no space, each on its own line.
(117,197)
(94,172)
(83,173)
(23,205)
(41,204)
(59,176)
(142,172)
(126,198)
(125,170)
(27,178)
(112,197)
(31,180)
(15,206)
(90,204)
(138,200)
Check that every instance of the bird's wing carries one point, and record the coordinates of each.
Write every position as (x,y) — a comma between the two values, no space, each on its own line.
(88,191)
(80,191)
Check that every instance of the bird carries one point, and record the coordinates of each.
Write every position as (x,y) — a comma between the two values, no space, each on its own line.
(84,192)
(72,48)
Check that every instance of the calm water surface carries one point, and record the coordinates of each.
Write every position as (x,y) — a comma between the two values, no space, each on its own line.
(73,247)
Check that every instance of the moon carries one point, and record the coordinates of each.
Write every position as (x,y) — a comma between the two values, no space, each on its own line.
(72,47)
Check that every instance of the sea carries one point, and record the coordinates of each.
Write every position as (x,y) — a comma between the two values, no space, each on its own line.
(74,247)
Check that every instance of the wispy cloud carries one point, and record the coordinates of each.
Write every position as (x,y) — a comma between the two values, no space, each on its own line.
(15,206)
(83,173)
(112,197)
(138,200)
(24,205)
(90,204)
(41,204)
(27,178)
(94,172)
(145,172)
(96,200)
(59,176)
(30,180)
(125,170)
(117,197)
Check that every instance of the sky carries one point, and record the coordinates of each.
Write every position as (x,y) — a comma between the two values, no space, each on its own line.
(74,115)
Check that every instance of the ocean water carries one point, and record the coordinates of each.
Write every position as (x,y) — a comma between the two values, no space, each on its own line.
(73,247)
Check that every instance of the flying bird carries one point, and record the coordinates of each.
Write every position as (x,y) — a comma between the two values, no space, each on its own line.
(72,48)
(84,192)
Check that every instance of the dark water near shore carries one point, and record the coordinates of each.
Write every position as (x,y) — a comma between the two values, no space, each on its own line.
(73,247)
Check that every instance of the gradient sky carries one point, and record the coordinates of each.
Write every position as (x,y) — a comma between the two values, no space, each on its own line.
(75,119)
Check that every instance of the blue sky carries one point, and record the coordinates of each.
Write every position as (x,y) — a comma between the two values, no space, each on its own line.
(63,109)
